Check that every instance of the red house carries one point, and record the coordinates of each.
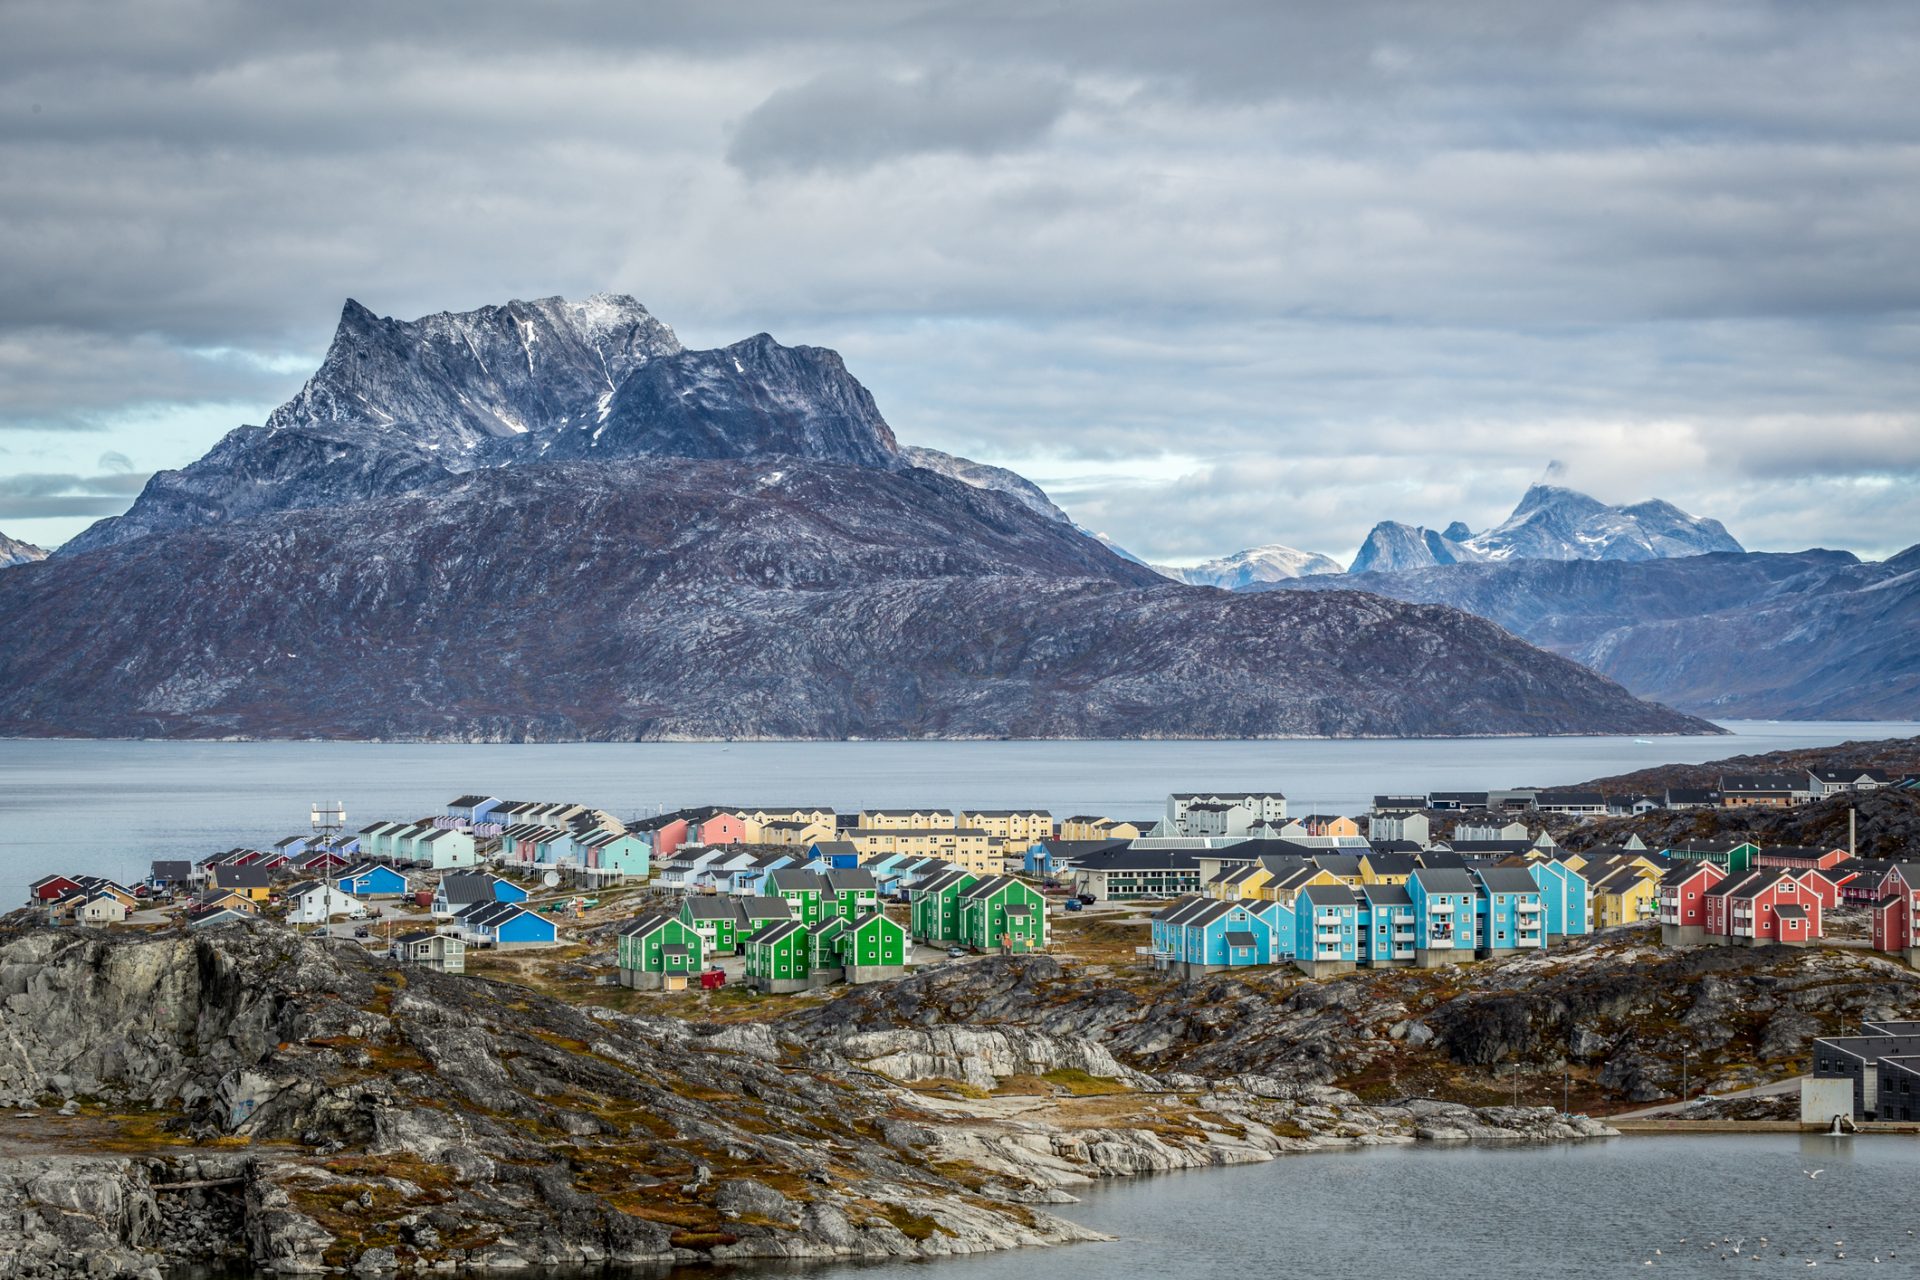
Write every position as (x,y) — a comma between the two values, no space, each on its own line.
(1824,885)
(1801,858)
(1897,908)
(52,888)
(1745,909)
(1683,901)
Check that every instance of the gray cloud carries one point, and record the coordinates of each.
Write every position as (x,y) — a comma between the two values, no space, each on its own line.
(852,119)
(43,495)
(1306,265)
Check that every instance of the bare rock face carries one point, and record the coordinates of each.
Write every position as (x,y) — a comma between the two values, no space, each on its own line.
(549,521)
(14,552)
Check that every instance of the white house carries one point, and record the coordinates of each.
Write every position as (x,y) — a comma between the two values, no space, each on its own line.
(1261,806)
(318,901)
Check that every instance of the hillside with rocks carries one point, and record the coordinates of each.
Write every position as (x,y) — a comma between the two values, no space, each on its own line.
(249,1097)
(549,521)
(13,552)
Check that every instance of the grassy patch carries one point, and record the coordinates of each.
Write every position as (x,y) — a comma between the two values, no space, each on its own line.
(1083,1084)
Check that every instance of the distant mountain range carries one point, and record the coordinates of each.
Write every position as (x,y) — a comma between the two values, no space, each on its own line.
(549,520)
(1551,523)
(1245,569)
(1808,635)
(13,552)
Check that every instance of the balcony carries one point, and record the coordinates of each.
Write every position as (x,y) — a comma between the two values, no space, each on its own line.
(1525,909)
(1440,908)
(1328,918)
(1326,953)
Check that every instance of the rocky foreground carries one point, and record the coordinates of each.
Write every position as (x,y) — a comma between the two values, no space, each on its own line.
(252,1097)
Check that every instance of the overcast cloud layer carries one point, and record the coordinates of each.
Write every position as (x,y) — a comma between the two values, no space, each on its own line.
(1216,275)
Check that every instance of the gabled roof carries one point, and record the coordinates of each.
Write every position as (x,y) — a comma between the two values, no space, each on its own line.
(987,886)
(642,925)
(1329,895)
(1445,880)
(778,931)
(762,907)
(710,907)
(172,869)
(1507,880)
(850,879)
(797,880)
(1386,895)
(244,878)
(1178,911)
(468,887)
(1390,863)
(1790,911)
(941,881)
(1747,783)
(1339,864)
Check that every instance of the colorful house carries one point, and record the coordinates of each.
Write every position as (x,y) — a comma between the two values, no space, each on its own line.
(372,880)
(780,958)
(1234,884)
(613,853)
(1443,915)
(318,901)
(1728,856)
(1762,906)
(805,893)
(658,951)
(936,905)
(1563,893)
(1682,897)
(872,947)
(507,927)
(1197,936)
(824,943)
(1000,913)
(1508,913)
(1386,928)
(247,881)
(441,951)
(1279,920)
(1896,911)
(1624,896)
(1326,930)
(849,892)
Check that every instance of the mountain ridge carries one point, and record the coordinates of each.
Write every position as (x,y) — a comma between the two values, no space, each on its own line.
(15,552)
(551,521)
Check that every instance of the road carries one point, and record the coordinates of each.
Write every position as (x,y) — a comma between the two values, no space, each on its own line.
(1671,1108)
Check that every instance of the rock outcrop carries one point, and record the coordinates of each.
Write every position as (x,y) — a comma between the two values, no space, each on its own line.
(14,552)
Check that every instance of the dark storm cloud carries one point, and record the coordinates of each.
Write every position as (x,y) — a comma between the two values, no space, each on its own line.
(1304,264)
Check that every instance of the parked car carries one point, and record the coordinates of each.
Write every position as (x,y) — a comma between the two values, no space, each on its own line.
(1087,899)
(363,932)
(1073,904)
(955,953)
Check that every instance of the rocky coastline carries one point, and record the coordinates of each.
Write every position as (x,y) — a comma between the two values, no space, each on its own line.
(252,1099)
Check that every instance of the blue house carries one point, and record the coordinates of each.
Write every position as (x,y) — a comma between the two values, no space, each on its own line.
(1444,901)
(1279,918)
(1386,925)
(373,880)
(1563,892)
(506,926)
(1197,936)
(1508,911)
(1326,927)
(840,855)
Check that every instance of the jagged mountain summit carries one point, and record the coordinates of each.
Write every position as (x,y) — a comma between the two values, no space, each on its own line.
(1237,572)
(13,552)
(1550,523)
(1801,635)
(549,521)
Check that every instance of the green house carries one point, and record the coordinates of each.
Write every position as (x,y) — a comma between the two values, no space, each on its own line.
(804,891)
(1001,913)
(716,919)
(658,949)
(780,956)
(1729,857)
(936,905)
(851,892)
(827,941)
(874,941)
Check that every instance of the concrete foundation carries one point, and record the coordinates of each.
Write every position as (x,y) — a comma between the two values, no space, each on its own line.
(1324,968)
(858,974)
(794,986)
(1682,935)
(1434,957)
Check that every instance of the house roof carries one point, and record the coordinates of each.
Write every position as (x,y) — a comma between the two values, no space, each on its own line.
(1507,880)
(417,936)
(987,886)
(797,880)
(761,907)
(1692,795)
(1790,911)
(1747,783)
(1339,864)
(172,869)
(467,887)
(1240,938)
(1387,895)
(245,877)
(1130,859)
(1329,895)
(1445,880)
(850,879)
(941,880)
(1391,862)
(778,931)
(710,907)
(642,925)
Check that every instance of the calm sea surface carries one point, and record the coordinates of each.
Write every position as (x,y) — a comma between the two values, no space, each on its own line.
(110,808)
(1589,1211)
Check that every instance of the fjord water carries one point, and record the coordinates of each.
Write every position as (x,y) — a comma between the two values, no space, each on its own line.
(1583,1212)
(110,808)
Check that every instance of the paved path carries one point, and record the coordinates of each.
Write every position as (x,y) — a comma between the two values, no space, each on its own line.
(1670,1108)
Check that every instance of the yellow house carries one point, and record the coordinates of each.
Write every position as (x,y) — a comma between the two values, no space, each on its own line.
(1287,883)
(1326,824)
(907,820)
(1088,827)
(1020,829)
(777,813)
(248,882)
(238,901)
(970,850)
(1625,897)
(793,833)
(1237,883)
(1386,868)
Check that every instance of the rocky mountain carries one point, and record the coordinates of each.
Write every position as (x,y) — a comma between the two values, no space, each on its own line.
(1806,635)
(1241,570)
(676,598)
(1551,523)
(13,552)
(999,479)
(549,520)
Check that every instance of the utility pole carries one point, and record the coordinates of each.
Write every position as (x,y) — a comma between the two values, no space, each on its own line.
(1852,851)
(1683,1075)
(1566,1089)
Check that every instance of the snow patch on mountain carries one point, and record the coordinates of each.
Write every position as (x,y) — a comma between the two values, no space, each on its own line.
(1271,563)
(13,552)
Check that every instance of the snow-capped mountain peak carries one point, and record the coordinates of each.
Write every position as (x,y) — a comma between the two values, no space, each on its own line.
(1271,563)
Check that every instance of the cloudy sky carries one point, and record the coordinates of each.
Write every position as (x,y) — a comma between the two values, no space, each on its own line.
(1215,274)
